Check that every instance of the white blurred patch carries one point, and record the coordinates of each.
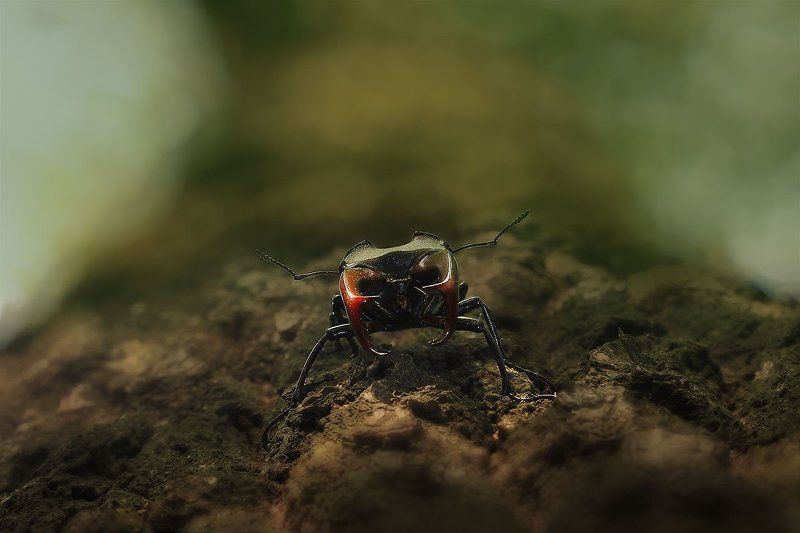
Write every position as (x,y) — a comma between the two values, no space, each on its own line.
(97,103)
(719,168)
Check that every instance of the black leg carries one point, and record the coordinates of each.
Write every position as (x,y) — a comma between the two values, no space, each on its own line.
(465,323)
(475,302)
(463,288)
(434,307)
(338,317)
(331,334)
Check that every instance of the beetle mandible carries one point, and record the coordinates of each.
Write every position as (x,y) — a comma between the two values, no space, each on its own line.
(414,285)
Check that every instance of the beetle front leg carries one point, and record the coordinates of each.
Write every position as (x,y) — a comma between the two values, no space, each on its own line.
(338,317)
(463,288)
(464,323)
(476,302)
(331,334)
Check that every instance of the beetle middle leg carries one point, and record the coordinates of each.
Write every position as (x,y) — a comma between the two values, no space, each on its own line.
(331,334)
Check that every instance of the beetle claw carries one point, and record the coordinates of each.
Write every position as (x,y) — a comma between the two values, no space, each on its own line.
(513,396)
(376,351)
(531,398)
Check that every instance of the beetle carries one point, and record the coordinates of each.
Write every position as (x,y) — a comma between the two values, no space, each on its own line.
(413,285)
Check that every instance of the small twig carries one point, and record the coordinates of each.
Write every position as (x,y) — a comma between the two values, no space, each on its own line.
(778,388)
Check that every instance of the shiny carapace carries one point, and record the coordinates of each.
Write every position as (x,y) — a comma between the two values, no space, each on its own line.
(415,283)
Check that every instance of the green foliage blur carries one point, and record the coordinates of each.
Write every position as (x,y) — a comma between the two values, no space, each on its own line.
(637,132)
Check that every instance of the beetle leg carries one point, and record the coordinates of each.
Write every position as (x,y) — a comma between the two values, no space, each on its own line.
(386,315)
(435,307)
(423,304)
(449,293)
(476,326)
(462,290)
(471,324)
(331,334)
(475,302)
(465,323)
(338,317)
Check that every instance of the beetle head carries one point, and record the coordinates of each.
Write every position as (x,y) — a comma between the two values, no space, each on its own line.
(400,281)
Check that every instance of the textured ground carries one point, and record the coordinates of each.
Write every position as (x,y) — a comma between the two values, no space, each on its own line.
(677,409)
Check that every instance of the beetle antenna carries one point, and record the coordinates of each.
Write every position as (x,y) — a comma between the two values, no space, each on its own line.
(269,259)
(493,242)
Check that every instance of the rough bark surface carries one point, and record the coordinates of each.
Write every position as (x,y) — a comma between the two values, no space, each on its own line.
(676,409)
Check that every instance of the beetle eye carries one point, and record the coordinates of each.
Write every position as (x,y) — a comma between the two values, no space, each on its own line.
(431,269)
(427,275)
(371,286)
(362,282)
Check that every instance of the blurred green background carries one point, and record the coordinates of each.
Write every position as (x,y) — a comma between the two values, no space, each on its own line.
(146,145)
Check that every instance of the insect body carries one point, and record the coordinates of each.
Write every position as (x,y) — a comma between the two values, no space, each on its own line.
(404,286)
(415,285)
